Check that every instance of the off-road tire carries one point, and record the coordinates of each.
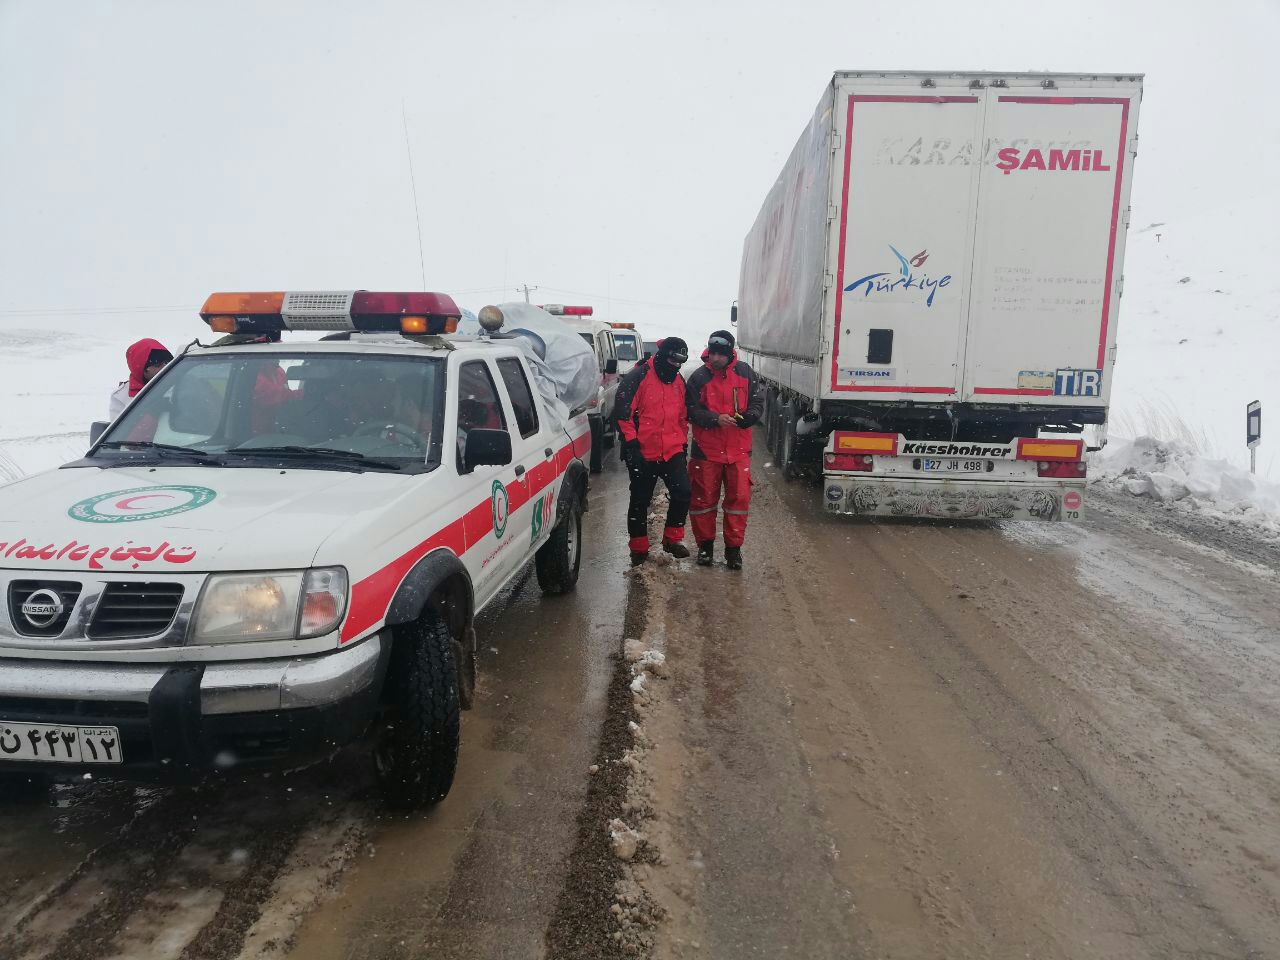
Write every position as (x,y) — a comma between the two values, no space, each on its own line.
(597,445)
(417,749)
(557,561)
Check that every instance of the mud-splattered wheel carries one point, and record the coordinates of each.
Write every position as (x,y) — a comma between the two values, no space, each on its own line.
(557,561)
(417,748)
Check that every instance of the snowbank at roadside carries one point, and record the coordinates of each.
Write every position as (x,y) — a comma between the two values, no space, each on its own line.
(1171,472)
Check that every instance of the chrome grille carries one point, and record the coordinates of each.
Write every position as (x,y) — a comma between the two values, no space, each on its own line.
(21,590)
(129,610)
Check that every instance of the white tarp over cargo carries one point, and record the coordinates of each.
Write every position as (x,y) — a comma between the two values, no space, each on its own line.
(564,366)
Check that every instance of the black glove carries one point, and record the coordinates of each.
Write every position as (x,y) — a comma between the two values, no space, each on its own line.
(631,452)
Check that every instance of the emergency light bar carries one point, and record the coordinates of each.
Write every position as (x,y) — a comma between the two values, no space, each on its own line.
(560,310)
(622,326)
(362,310)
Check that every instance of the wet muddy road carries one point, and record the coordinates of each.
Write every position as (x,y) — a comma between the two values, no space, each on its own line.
(310,865)
(907,739)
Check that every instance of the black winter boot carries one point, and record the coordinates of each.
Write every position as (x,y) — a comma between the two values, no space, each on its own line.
(638,558)
(733,558)
(677,550)
(706,553)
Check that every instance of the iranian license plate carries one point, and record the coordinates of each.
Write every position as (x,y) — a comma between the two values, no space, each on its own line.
(46,743)
(955,466)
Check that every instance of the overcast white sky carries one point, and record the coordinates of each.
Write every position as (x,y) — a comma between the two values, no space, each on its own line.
(614,154)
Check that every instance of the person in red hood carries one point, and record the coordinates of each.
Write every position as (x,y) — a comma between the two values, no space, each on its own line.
(145,359)
(725,402)
(654,426)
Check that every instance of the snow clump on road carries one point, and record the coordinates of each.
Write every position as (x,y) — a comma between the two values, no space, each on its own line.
(1173,473)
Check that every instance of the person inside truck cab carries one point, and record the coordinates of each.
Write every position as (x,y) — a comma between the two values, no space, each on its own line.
(478,405)
(144,359)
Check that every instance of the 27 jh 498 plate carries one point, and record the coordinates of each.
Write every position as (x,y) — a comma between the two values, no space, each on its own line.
(52,744)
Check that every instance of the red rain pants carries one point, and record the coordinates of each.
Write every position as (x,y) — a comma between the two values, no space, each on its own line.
(707,478)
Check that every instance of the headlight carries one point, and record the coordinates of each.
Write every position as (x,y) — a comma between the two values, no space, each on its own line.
(283,605)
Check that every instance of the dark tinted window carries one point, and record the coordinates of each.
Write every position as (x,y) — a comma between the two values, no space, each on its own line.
(521,397)
(478,403)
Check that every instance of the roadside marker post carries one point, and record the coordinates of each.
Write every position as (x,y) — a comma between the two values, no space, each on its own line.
(1253,432)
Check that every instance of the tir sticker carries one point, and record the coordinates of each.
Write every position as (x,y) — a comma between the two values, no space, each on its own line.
(1077,383)
(1035,379)
(140,503)
(500,504)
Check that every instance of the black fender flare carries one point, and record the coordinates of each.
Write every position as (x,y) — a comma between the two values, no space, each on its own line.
(423,581)
(573,487)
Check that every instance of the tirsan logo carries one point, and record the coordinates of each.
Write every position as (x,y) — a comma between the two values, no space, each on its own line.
(905,280)
(1011,158)
(956,450)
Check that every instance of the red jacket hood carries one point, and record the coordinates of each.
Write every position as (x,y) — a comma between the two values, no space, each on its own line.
(136,358)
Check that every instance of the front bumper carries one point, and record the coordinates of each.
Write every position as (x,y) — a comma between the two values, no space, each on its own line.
(180,721)
(947,499)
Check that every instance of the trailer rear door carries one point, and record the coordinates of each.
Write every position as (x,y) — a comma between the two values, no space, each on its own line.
(1052,211)
(907,188)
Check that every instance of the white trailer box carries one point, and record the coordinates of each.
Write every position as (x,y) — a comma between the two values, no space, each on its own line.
(941,259)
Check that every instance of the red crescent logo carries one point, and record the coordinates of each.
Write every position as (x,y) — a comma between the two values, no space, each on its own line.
(128,502)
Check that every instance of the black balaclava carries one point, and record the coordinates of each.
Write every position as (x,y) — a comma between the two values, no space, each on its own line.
(671,356)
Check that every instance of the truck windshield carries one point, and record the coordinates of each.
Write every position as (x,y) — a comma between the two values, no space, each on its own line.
(628,346)
(330,410)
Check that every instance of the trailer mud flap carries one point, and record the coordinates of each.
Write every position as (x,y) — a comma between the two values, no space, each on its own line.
(948,500)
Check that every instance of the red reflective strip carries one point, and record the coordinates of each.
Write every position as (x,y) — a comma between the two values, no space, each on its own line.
(885,388)
(1014,393)
(371,596)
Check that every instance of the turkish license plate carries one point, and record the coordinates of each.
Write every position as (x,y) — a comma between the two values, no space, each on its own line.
(46,743)
(955,466)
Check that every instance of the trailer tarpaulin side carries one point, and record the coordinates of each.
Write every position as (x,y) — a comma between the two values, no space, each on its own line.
(784,255)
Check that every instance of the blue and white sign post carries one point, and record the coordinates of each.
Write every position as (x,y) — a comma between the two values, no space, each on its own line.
(1253,430)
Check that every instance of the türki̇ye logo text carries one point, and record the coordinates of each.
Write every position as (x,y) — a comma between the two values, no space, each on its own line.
(74,552)
(904,281)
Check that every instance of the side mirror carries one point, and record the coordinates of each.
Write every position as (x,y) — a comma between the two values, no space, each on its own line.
(96,430)
(611,365)
(733,315)
(486,448)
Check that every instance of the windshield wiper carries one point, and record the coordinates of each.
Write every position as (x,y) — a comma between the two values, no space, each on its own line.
(150,445)
(314,453)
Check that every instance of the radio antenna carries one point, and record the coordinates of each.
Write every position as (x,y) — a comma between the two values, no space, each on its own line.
(413,185)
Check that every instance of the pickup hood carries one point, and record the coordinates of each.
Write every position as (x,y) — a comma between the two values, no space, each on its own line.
(182,519)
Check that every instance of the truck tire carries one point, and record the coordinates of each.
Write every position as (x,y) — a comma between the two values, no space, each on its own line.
(557,561)
(787,442)
(416,753)
(597,444)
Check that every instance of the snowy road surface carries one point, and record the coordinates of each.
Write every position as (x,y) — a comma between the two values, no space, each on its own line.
(881,739)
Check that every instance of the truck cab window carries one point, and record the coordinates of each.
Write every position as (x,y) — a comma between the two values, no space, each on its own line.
(521,396)
(478,404)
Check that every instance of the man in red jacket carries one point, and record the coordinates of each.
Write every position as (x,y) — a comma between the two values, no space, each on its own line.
(654,427)
(725,402)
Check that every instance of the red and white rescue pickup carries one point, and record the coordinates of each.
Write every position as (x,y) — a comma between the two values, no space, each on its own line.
(280,548)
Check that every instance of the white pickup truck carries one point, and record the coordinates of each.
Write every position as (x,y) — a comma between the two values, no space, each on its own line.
(931,290)
(280,548)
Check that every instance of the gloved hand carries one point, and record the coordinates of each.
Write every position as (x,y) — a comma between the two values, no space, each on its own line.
(631,455)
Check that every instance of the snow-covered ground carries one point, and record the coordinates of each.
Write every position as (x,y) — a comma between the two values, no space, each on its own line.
(1174,473)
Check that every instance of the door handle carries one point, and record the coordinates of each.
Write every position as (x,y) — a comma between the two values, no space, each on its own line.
(519,469)
(548,453)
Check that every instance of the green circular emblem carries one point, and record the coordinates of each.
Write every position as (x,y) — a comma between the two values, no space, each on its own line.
(140,503)
(501,508)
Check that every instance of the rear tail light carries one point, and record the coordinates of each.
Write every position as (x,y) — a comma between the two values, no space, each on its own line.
(1071,470)
(847,461)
